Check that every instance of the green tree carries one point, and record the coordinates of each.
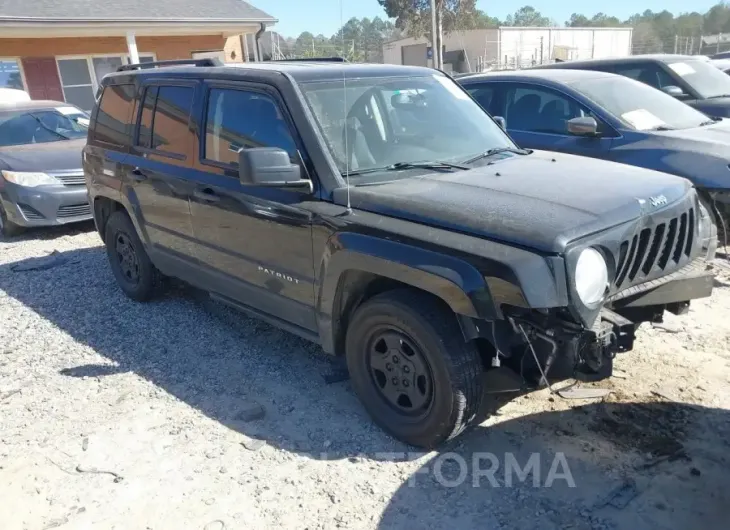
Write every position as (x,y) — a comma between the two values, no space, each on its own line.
(414,16)
(602,20)
(578,21)
(527,16)
(483,21)
(717,19)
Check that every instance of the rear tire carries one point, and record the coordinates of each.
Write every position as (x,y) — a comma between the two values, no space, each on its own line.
(7,227)
(130,264)
(433,387)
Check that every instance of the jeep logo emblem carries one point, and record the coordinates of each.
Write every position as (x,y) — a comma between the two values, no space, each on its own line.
(659,200)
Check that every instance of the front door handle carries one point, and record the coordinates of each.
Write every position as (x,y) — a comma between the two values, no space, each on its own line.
(138,175)
(206,195)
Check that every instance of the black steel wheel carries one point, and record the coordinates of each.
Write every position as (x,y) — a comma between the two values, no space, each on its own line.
(400,371)
(411,367)
(132,268)
(128,262)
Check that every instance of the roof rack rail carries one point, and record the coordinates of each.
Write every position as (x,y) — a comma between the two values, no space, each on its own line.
(312,60)
(209,61)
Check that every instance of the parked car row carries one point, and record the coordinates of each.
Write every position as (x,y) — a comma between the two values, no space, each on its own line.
(379,211)
(41,178)
(612,110)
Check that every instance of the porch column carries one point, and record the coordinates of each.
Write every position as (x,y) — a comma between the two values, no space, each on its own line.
(132,48)
(244,41)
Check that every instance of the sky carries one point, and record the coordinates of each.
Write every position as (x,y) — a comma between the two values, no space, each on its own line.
(323,16)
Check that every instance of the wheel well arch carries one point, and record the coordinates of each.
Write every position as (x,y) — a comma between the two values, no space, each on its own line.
(355,287)
(104,207)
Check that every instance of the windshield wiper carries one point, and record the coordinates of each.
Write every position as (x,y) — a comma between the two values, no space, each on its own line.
(711,121)
(496,151)
(719,96)
(427,165)
(409,165)
(46,127)
(662,128)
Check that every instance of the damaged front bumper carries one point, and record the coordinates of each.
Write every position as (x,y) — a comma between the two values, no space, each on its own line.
(566,349)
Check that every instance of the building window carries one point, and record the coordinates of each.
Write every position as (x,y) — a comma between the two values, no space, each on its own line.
(105,65)
(10,76)
(76,82)
(81,76)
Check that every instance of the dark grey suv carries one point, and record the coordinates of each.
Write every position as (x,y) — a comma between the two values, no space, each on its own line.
(377,210)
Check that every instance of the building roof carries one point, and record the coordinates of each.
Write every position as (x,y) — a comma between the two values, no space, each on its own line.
(130,10)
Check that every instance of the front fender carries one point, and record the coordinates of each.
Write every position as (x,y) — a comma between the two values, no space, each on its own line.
(466,289)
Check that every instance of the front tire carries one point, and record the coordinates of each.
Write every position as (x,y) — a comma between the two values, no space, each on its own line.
(412,369)
(7,227)
(130,264)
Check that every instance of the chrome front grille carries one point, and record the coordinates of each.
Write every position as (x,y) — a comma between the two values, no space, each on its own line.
(74,210)
(71,180)
(657,250)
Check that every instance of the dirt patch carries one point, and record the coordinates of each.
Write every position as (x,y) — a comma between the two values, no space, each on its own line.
(654,427)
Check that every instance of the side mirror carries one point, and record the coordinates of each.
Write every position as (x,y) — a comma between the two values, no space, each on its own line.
(269,167)
(583,126)
(501,122)
(673,91)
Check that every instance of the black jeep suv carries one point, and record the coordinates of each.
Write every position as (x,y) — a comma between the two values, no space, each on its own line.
(380,212)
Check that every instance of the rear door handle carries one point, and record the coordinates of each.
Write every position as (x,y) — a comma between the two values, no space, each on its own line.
(138,175)
(206,195)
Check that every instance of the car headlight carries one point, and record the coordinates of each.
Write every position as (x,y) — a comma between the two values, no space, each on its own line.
(29,180)
(591,276)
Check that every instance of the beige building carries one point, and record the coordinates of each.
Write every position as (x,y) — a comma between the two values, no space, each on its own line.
(60,49)
(509,47)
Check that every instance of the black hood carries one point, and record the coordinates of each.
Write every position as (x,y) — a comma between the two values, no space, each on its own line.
(50,156)
(541,201)
(719,107)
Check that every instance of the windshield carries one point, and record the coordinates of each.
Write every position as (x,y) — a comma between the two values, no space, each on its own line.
(37,126)
(703,77)
(640,106)
(378,122)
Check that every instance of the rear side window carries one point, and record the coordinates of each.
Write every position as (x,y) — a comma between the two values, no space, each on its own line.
(239,119)
(648,73)
(113,125)
(483,94)
(164,123)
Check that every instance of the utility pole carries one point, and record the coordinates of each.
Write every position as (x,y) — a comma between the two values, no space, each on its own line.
(434,36)
(541,47)
(676,43)
(440,33)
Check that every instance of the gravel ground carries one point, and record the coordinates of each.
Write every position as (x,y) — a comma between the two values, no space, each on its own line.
(182,414)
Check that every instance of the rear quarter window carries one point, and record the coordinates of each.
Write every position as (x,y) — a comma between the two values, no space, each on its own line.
(113,124)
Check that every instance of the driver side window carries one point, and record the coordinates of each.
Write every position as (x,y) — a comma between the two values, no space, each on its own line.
(540,110)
